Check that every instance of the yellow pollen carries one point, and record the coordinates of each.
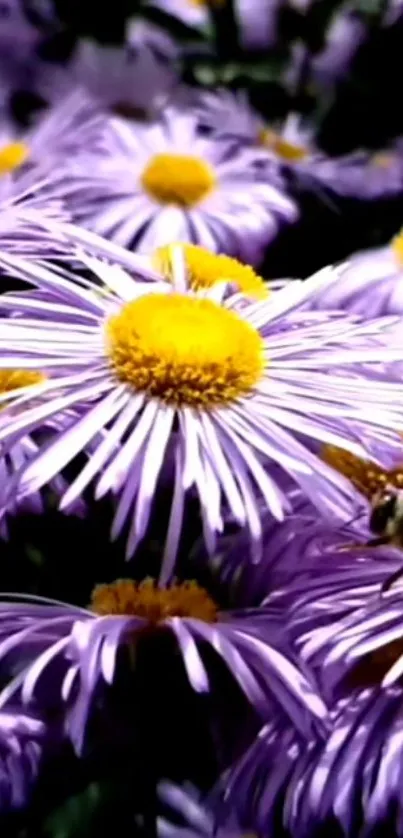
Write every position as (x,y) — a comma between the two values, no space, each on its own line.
(178,179)
(154,604)
(205,269)
(397,247)
(284,149)
(184,351)
(13,379)
(12,156)
(367,477)
(207,3)
(383,160)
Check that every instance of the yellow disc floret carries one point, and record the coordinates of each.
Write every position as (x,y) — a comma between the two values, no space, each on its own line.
(281,147)
(12,156)
(184,351)
(397,247)
(178,179)
(213,3)
(13,379)
(144,599)
(204,269)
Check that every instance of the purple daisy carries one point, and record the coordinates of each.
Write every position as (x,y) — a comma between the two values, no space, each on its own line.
(290,147)
(370,283)
(21,745)
(356,777)
(222,387)
(69,655)
(353,779)
(75,122)
(363,174)
(146,190)
(136,79)
(229,115)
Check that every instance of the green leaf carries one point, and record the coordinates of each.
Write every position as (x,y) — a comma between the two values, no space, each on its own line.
(76,817)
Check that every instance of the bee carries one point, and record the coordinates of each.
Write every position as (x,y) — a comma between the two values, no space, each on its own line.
(386,523)
(386,518)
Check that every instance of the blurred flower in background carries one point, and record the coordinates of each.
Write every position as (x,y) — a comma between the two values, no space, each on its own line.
(167,168)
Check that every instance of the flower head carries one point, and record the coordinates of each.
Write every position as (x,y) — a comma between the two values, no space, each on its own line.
(289,148)
(73,122)
(135,78)
(223,387)
(352,780)
(158,183)
(229,115)
(204,269)
(356,776)
(369,283)
(40,638)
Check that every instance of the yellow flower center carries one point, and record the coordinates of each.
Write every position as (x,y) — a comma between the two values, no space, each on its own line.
(284,149)
(397,247)
(178,179)
(13,379)
(205,269)
(184,350)
(12,156)
(383,160)
(213,3)
(154,604)
(367,477)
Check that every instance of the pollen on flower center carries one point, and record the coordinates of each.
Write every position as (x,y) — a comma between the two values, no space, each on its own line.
(178,179)
(397,247)
(284,149)
(383,160)
(184,351)
(13,379)
(12,156)
(146,600)
(205,269)
(207,2)
(367,477)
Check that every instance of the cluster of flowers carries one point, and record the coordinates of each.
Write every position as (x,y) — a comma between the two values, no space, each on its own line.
(143,357)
